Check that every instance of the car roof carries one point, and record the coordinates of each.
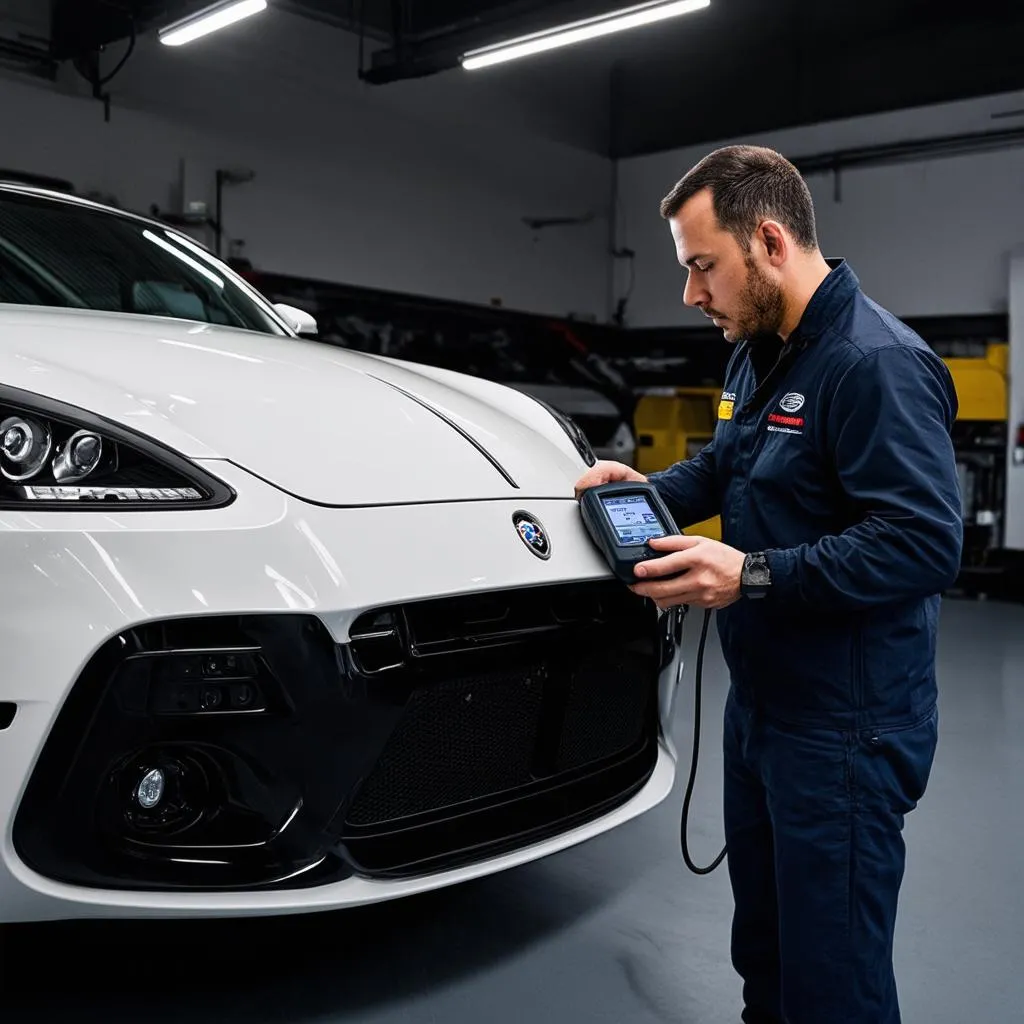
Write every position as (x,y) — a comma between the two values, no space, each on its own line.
(70,199)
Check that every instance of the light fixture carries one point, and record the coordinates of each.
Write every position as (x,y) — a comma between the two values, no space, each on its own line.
(208,20)
(580,31)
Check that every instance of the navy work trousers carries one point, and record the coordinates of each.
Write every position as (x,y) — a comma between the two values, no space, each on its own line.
(813,821)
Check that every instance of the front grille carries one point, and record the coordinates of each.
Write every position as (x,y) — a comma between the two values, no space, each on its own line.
(445,731)
(606,711)
(492,755)
(457,741)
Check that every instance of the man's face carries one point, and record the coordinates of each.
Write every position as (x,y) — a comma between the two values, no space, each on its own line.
(738,290)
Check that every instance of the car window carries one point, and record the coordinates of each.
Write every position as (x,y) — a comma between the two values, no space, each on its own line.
(55,253)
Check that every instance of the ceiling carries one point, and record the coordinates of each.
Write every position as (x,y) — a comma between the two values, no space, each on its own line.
(736,68)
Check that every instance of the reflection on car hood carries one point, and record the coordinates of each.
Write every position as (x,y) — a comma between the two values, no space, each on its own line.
(325,424)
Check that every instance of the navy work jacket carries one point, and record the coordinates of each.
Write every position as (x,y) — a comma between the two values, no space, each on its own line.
(832,454)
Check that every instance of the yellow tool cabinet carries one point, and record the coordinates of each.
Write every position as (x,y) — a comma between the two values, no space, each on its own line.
(673,424)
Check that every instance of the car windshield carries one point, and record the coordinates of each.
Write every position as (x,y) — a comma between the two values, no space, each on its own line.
(59,253)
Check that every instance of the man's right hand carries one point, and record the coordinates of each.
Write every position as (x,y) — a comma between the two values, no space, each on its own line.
(607,473)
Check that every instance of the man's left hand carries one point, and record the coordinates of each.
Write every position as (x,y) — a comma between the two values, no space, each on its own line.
(711,573)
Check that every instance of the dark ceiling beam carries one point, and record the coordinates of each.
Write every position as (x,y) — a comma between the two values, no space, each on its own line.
(438,47)
(353,16)
(695,96)
(80,27)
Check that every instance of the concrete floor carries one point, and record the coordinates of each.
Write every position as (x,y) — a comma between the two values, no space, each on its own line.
(614,931)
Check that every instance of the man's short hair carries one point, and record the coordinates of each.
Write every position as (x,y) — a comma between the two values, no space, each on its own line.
(749,184)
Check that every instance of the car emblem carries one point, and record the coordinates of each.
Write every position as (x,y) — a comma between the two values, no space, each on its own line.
(532,534)
(793,402)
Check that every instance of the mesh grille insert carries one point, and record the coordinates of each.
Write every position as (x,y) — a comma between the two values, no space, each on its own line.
(457,741)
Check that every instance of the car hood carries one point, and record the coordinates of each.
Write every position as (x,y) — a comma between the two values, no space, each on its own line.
(325,424)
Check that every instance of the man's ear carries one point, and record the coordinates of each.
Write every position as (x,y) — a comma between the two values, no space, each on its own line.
(773,238)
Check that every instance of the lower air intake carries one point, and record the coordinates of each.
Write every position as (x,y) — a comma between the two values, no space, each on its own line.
(253,752)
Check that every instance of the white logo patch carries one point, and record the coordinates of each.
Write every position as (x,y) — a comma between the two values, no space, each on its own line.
(793,402)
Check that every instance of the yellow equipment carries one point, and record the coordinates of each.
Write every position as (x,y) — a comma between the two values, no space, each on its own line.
(673,424)
(979,439)
(982,384)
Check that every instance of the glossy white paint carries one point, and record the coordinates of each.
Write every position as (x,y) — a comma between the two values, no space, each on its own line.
(72,584)
(354,490)
(320,422)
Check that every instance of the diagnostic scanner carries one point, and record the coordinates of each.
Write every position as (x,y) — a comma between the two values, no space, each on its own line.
(621,518)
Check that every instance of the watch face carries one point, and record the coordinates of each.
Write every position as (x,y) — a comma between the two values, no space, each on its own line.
(755,573)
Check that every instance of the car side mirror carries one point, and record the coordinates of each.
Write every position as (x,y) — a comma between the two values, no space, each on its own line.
(302,323)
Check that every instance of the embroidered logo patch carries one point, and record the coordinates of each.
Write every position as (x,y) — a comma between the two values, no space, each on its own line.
(793,402)
(726,405)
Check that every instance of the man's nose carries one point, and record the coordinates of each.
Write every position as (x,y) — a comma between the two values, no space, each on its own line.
(695,294)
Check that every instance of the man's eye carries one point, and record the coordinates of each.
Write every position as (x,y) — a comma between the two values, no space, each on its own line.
(705,268)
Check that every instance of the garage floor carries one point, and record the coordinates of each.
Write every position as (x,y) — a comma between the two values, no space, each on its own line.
(615,931)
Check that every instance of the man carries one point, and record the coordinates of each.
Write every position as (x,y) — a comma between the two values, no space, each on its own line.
(833,471)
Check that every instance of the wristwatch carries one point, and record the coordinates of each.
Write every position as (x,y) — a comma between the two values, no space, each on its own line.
(756,577)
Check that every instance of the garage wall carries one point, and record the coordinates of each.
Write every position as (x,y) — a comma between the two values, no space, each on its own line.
(932,237)
(420,189)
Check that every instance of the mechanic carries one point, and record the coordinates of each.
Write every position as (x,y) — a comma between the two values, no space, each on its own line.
(832,469)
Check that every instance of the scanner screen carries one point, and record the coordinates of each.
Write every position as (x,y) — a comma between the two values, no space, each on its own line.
(633,519)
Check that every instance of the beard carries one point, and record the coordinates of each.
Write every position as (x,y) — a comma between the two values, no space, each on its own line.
(761,307)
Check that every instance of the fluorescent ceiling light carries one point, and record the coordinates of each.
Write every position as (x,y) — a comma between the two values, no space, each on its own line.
(210,20)
(580,31)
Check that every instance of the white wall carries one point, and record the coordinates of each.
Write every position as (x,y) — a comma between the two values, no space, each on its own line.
(375,186)
(932,237)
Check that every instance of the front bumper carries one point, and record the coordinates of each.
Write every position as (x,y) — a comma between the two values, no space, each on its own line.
(392,736)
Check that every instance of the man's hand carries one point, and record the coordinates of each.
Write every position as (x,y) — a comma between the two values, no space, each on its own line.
(711,573)
(607,473)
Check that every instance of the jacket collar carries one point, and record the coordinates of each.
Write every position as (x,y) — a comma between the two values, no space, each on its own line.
(832,295)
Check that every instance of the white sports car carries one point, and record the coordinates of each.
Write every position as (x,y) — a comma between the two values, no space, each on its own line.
(286,628)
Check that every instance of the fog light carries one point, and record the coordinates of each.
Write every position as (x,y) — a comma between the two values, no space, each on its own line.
(170,799)
(150,790)
(212,698)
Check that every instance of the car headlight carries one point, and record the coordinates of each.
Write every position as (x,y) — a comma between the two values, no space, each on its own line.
(54,455)
(572,429)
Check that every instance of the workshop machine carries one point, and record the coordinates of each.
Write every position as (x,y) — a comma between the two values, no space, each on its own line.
(980,443)
(674,423)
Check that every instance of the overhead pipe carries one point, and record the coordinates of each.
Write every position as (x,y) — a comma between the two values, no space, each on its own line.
(904,152)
